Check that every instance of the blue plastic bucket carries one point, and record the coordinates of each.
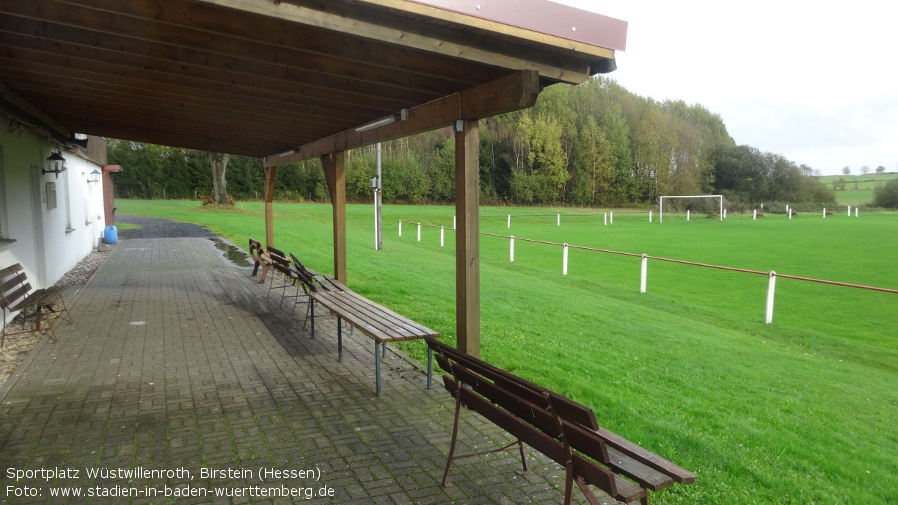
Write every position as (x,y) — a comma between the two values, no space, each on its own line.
(111,235)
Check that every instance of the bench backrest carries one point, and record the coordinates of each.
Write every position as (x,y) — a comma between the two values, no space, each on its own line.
(281,264)
(14,286)
(554,425)
(255,249)
(313,280)
(305,276)
(271,249)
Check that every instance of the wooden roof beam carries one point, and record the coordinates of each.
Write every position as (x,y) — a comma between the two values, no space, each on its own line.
(407,32)
(24,110)
(515,91)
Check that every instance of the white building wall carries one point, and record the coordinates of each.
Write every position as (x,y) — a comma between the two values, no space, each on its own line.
(47,242)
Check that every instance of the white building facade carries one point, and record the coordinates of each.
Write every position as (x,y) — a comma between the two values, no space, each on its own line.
(48,221)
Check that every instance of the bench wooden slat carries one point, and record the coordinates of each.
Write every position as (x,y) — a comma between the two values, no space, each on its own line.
(15,300)
(367,316)
(568,409)
(43,296)
(16,295)
(372,319)
(646,457)
(616,487)
(12,269)
(380,311)
(10,283)
(585,441)
(595,450)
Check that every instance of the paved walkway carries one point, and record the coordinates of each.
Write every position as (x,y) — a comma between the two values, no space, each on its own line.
(175,364)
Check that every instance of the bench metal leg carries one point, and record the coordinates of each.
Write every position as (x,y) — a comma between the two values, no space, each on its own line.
(429,367)
(339,339)
(377,366)
(313,324)
(452,442)
(383,348)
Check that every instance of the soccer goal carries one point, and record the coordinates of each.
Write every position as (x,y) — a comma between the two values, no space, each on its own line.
(694,203)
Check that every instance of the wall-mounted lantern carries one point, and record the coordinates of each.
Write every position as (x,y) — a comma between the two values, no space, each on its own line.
(94,176)
(55,164)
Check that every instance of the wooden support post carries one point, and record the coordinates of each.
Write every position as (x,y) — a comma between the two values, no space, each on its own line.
(270,176)
(335,176)
(467,238)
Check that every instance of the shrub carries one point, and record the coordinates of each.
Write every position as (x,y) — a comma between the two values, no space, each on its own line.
(887,196)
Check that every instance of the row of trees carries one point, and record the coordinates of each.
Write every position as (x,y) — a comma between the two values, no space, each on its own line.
(864,170)
(591,145)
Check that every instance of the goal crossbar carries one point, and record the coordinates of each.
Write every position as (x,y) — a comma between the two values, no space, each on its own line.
(661,204)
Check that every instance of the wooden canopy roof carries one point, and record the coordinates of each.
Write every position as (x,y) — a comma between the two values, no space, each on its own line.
(261,77)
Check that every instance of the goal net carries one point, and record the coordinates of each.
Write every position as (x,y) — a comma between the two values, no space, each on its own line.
(696,204)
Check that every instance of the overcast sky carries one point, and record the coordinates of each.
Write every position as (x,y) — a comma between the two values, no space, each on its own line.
(814,81)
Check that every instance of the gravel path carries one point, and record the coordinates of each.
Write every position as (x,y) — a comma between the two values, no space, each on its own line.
(16,348)
(151,227)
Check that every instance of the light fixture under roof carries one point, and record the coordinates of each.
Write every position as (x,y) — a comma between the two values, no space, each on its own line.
(384,121)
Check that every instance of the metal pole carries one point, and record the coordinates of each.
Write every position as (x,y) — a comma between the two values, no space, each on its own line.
(378,206)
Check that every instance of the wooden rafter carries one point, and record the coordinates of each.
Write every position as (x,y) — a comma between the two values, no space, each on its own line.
(513,92)
(257,77)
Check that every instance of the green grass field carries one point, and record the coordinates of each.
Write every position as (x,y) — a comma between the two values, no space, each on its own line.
(859,189)
(799,411)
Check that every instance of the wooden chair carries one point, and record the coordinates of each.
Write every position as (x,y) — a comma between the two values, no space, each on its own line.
(16,295)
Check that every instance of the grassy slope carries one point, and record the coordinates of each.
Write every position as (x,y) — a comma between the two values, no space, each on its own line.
(799,411)
(859,188)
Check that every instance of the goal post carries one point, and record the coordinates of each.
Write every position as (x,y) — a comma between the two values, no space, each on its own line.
(669,197)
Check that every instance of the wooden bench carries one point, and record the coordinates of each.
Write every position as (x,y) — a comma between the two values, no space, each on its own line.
(256,251)
(376,321)
(563,430)
(16,295)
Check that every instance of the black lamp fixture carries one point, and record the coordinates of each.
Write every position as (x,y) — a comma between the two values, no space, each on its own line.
(56,164)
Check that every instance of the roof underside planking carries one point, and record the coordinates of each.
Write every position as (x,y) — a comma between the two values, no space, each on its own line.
(260,77)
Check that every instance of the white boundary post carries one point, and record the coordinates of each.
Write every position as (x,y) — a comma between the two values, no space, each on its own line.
(442,236)
(400,227)
(643,278)
(606,219)
(611,217)
(453,223)
(855,212)
(824,212)
(687,214)
(771,292)
(755,216)
(509,221)
(511,250)
(724,213)
(419,232)
(849,211)
(564,261)
(650,216)
(559,219)
(790,213)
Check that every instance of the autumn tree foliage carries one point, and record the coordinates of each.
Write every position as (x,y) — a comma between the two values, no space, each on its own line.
(595,144)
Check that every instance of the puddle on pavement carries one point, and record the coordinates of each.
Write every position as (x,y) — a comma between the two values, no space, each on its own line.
(233,253)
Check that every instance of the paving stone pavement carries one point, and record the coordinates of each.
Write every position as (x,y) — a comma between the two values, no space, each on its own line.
(178,361)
